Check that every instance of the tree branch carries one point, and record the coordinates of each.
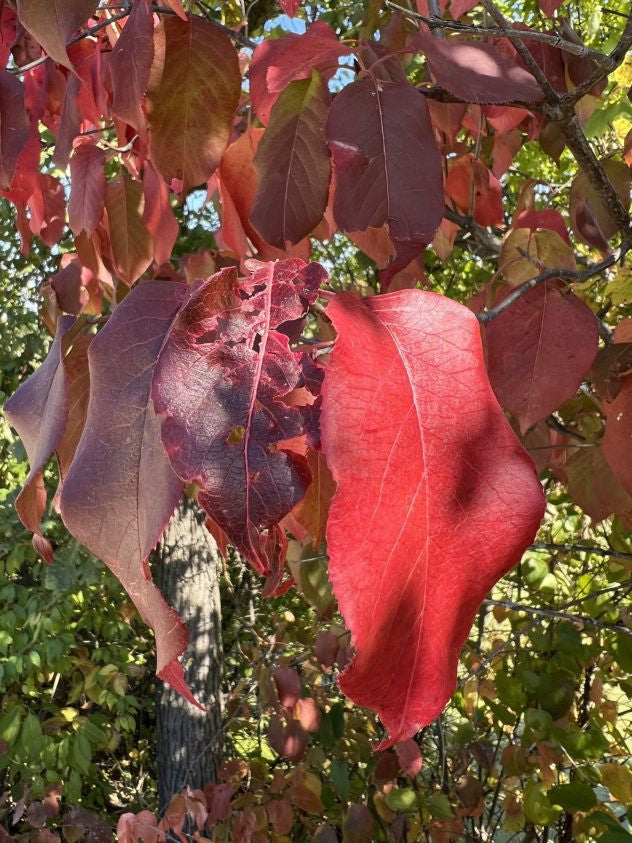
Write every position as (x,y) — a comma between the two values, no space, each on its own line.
(547,275)
(554,613)
(580,548)
(512,34)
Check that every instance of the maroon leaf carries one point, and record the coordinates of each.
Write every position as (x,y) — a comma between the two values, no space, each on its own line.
(409,757)
(288,685)
(476,72)
(14,125)
(220,383)
(117,500)
(539,350)
(410,419)
(387,165)
(617,440)
(38,411)
(87,188)
(292,163)
(130,64)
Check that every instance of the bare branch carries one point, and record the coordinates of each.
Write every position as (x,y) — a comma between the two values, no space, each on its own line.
(485,237)
(512,34)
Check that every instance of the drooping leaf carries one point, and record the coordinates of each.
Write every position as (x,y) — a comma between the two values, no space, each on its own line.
(470,182)
(375,130)
(588,208)
(539,350)
(476,72)
(132,247)
(193,92)
(276,63)
(117,500)
(219,385)
(53,22)
(313,510)
(87,188)
(77,394)
(238,183)
(14,125)
(419,431)
(158,214)
(39,412)
(130,63)
(593,484)
(292,163)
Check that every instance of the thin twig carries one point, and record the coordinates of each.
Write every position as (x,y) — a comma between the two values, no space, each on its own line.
(580,548)
(555,613)
(513,34)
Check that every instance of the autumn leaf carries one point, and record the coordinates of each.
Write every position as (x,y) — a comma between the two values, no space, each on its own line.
(53,22)
(14,125)
(130,64)
(87,192)
(412,557)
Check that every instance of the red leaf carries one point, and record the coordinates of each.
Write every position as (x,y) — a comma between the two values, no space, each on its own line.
(67,284)
(308,714)
(409,417)
(476,72)
(549,7)
(288,685)
(130,64)
(38,411)
(289,740)
(220,383)
(617,440)
(277,62)
(117,500)
(53,22)
(176,5)
(132,247)
(194,89)
(87,188)
(158,215)
(468,178)
(460,7)
(539,350)
(375,129)
(14,125)
(48,209)
(290,7)
(593,484)
(409,757)
(292,163)
(547,218)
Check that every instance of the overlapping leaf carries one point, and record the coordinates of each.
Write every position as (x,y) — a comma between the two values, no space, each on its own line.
(292,163)
(193,92)
(420,433)
(375,130)
(120,490)
(87,191)
(539,350)
(131,243)
(220,384)
(130,64)
(14,125)
(53,22)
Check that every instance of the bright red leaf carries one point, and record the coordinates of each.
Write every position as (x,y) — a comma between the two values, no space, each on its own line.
(375,131)
(420,433)
(117,500)
(539,350)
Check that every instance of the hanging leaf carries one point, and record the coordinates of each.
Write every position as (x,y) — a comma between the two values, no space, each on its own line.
(386,164)
(220,384)
(132,248)
(526,253)
(193,93)
(87,188)
(116,500)
(617,440)
(292,164)
(39,413)
(593,484)
(53,22)
(14,125)
(158,214)
(420,433)
(476,72)
(130,63)
(539,350)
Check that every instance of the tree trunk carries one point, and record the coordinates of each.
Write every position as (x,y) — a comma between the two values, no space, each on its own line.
(189,742)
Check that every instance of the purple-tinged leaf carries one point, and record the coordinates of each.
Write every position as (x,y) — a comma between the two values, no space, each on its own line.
(120,490)
(39,411)
(387,166)
(130,64)
(292,163)
(220,383)
(87,188)
(14,125)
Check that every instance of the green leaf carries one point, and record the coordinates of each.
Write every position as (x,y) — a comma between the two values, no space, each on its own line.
(10,724)
(404,800)
(618,780)
(31,735)
(576,796)
(340,778)
(439,806)
(537,806)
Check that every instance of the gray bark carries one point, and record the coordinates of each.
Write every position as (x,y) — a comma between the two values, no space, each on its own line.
(189,741)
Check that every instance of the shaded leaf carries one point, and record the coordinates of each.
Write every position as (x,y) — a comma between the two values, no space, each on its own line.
(375,130)
(526,253)
(132,247)
(593,485)
(193,92)
(313,510)
(587,207)
(14,125)
(617,440)
(53,22)
(539,350)
(87,188)
(420,432)
(476,72)
(117,500)
(292,163)
(470,182)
